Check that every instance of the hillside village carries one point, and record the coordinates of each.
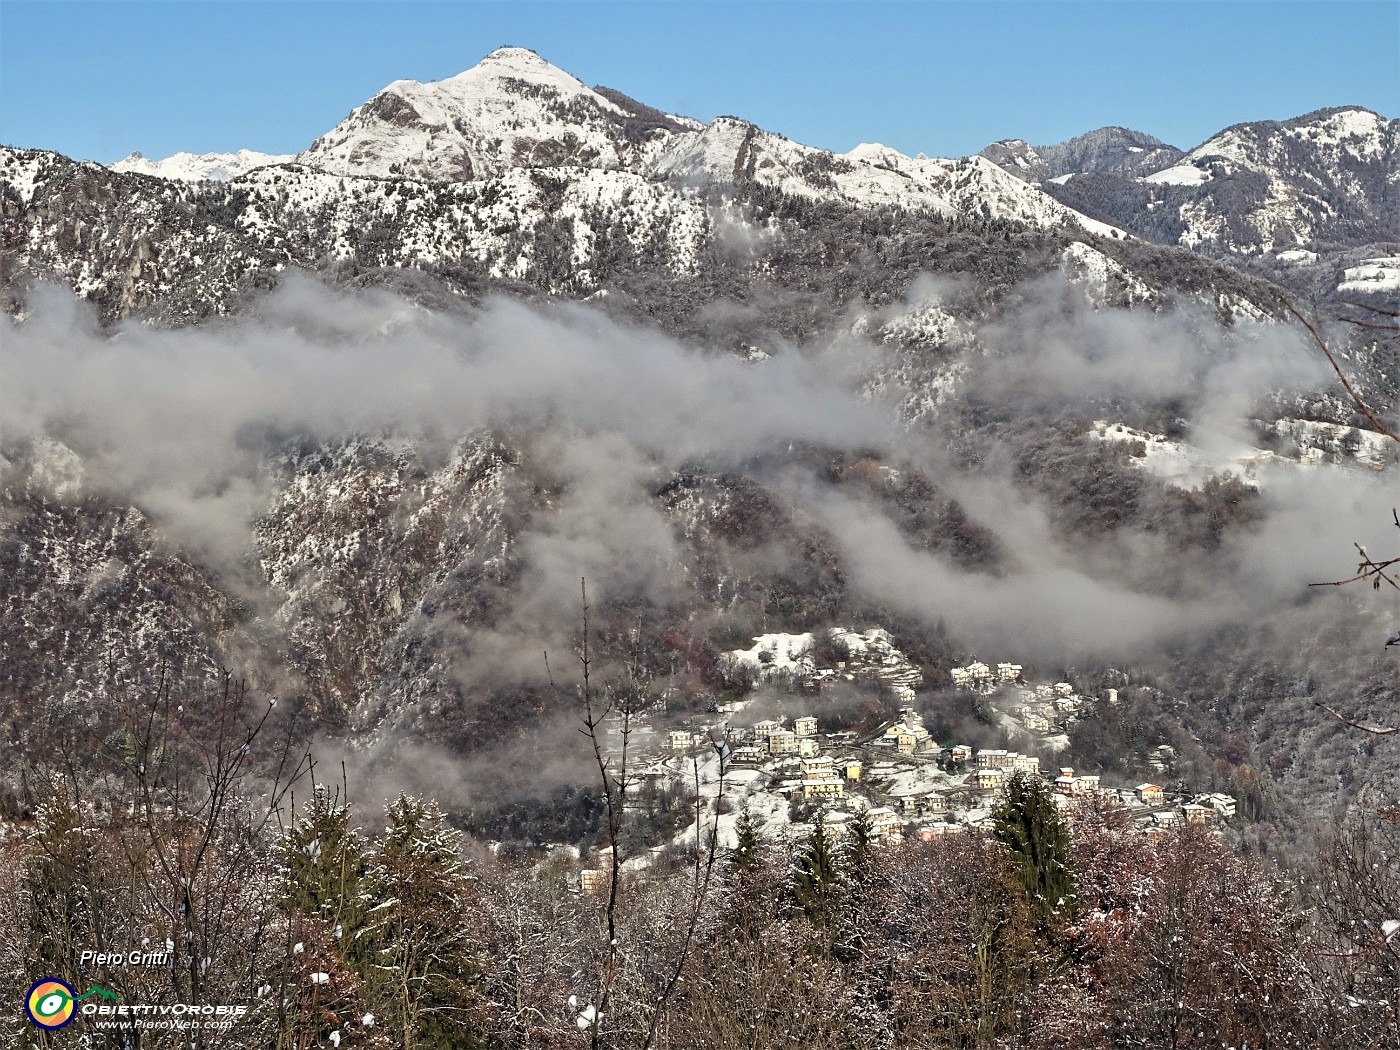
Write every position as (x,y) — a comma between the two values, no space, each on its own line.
(782,770)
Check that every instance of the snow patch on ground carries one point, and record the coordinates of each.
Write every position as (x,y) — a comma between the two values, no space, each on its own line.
(1179,175)
(917,780)
(1101,277)
(773,654)
(745,790)
(23,171)
(1328,442)
(1183,465)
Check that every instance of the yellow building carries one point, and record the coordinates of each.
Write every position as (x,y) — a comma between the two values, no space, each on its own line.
(990,779)
(824,787)
(782,742)
(909,735)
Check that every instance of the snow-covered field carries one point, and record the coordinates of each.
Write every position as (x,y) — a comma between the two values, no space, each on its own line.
(1184,465)
(1373,275)
(1188,466)
(773,654)
(1179,175)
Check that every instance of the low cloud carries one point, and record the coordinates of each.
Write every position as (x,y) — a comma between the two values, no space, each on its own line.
(188,424)
(1053,349)
(183,421)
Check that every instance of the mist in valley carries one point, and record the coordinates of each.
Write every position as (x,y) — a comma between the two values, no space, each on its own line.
(204,428)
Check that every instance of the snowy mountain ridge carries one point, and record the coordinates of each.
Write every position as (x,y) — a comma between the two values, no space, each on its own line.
(1324,180)
(516,111)
(1251,191)
(515,170)
(191,167)
(1110,149)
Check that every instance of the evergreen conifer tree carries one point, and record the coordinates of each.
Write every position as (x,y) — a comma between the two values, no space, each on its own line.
(745,853)
(324,862)
(815,877)
(422,972)
(858,888)
(324,865)
(1029,825)
(860,851)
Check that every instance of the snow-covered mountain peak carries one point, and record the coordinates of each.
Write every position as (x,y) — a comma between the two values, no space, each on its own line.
(524,64)
(515,69)
(190,167)
(1328,133)
(1110,149)
(512,109)
(1256,188)
(515,110)
(1012,154)
(874,153)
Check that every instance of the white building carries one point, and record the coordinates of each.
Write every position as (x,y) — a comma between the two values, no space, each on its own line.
(823,765)
(1222,804)
(1035,722)
(996,758)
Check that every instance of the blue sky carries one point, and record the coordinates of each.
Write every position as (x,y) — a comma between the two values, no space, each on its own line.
(98,80)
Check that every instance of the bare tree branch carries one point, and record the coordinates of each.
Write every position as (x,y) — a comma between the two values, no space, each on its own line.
(1369,568)
(1373,730)
(1370,308)
(1346,383)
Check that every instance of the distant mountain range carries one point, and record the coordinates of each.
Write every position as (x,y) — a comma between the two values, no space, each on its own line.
(1327,181)
(498,168)
(1118,151)
(190,167)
